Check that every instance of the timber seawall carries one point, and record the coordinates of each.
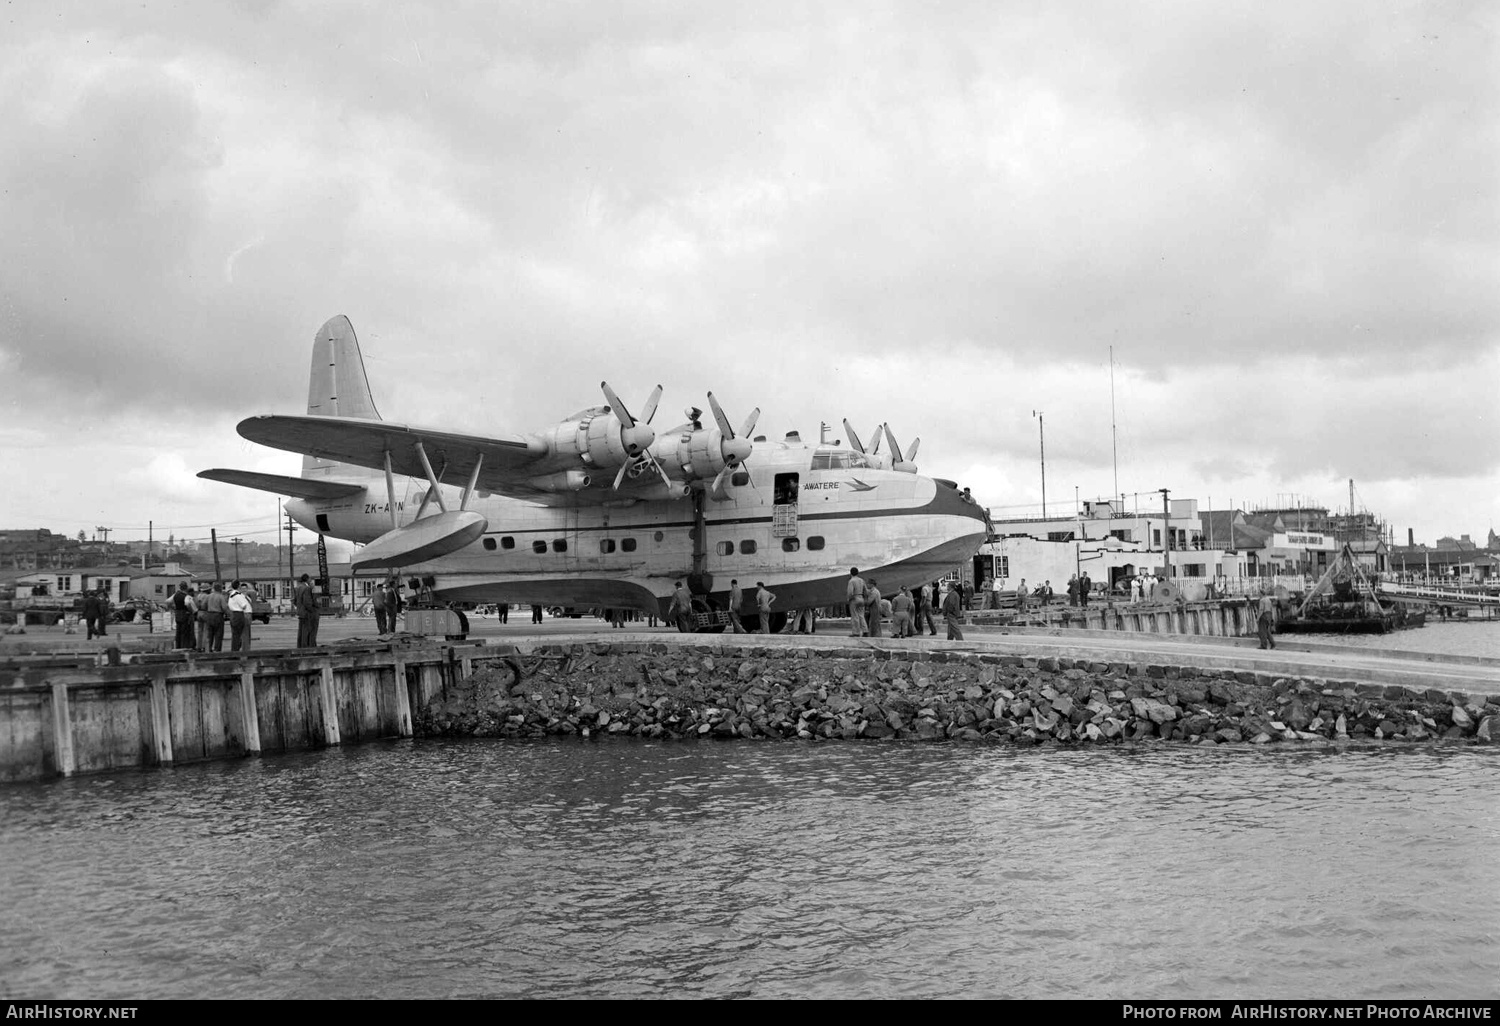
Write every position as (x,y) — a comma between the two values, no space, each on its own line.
(62,716)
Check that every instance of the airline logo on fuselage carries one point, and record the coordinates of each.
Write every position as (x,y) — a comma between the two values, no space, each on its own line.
(822,486)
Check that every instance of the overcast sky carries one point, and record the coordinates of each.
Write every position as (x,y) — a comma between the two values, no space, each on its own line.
(1282,217)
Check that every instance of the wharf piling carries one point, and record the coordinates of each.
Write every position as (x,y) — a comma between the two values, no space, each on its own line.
(63,718)
(1213,618)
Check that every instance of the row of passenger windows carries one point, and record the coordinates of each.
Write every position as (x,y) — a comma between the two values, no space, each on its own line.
(561,544)
(748,546)
(607,545)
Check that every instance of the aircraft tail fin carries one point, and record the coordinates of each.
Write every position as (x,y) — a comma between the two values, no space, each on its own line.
(337,385)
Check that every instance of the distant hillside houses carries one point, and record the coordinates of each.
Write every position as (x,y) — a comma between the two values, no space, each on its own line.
(36,547)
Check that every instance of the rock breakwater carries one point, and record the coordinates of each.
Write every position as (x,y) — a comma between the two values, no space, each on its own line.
(758,692)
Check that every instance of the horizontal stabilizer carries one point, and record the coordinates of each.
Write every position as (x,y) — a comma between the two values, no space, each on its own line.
(296,487)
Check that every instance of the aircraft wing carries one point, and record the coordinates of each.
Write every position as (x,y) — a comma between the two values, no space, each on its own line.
(507,460)
(297,487)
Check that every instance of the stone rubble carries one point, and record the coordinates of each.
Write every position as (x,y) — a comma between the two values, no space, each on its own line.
(756,692)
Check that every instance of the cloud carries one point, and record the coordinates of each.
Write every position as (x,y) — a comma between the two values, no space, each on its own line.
(1283,220)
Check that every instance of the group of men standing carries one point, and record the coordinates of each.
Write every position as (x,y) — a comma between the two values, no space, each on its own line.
(96,607)
(681,609)
(198,616)
(907,610)
(1143,587)
(1079,589)
(385,600)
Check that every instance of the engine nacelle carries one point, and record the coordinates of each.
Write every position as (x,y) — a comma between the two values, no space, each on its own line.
(598,439)
(563,481)
(661,491)
(699,455)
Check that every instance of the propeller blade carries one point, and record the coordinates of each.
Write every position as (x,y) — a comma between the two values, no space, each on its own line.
(718,482)
(853,438)
(750,423)
(621,414)
(664,478)
(724,428)
(876,447)
(620,476)
(650,409)
(895,449)
(913,454)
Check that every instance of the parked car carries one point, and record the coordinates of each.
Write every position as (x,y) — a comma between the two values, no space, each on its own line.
(260,609)
(131,609)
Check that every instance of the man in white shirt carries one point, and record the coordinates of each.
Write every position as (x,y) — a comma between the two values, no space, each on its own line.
(239,618)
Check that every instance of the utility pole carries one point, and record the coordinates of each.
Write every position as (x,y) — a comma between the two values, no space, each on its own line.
(1042,432)
(1078,538)
(291,573)
(1166,548)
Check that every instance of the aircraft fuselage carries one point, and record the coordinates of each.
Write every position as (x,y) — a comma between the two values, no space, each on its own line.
(797,519)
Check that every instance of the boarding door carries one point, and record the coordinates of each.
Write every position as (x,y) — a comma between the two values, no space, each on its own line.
(784,506)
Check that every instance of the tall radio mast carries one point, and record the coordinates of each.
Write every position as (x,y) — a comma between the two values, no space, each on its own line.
(1113,442)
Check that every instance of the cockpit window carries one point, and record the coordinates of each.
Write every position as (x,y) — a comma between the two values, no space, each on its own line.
(838,459)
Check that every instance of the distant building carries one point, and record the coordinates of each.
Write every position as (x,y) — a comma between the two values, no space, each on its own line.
(1457,558)
(158,582)
(1109,546)
(1297,540)
(68,583)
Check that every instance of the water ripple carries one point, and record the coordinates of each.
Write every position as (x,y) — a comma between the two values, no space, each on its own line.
(623,868)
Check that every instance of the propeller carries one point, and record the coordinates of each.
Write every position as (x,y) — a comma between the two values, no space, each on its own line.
(635,435)
(636,467)
(853,438)
(735,449)
(907,463)
(870,453)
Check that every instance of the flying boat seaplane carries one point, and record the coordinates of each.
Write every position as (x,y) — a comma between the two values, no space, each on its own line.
(602,509)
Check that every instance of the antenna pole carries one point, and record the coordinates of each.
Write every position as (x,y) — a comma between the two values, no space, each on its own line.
(1042,430)
(1114,443)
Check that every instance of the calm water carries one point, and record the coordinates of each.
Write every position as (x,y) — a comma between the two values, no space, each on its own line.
(627,868)
(1479,638)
